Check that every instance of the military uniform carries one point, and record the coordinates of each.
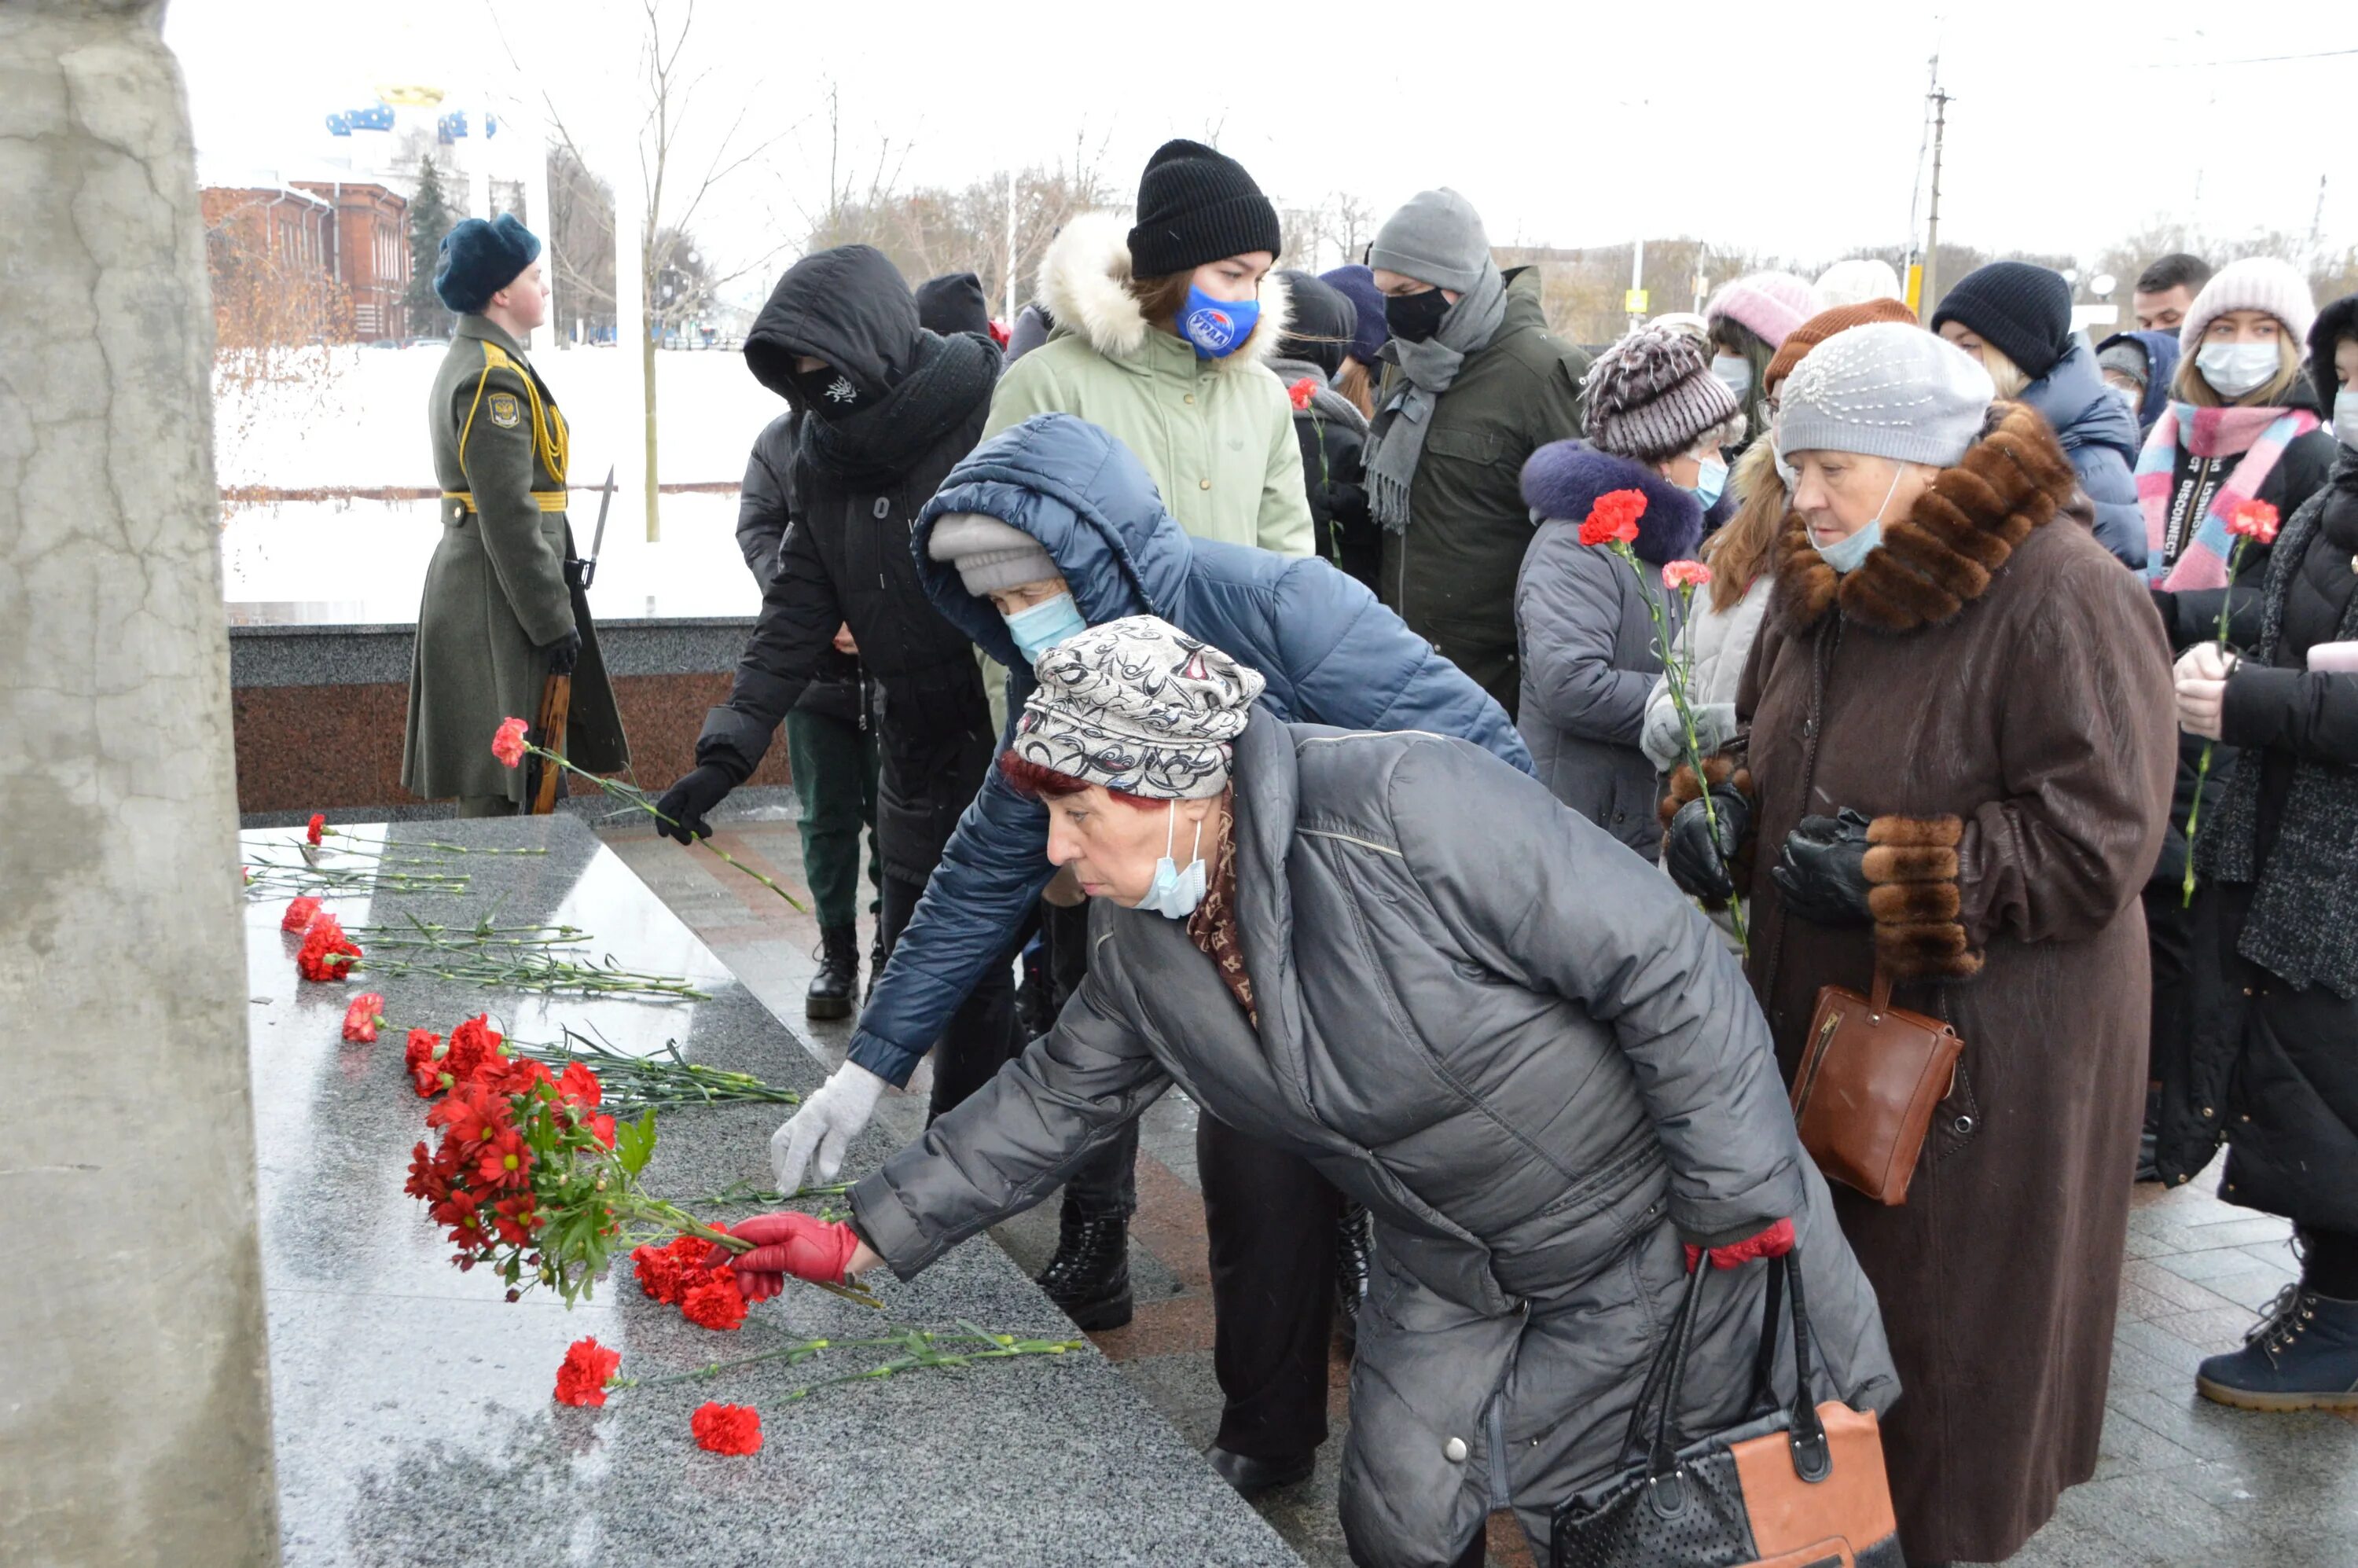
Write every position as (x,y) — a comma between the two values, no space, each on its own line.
(497,591)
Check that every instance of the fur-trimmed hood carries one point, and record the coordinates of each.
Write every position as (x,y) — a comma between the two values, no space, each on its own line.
(1943,555)
(1562,480)
(1082,284)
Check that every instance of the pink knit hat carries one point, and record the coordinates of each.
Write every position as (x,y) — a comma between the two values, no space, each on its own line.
(1770,303)
(2255,283)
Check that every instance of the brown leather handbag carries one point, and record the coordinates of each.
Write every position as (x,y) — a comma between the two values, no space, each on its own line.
(1870,1077)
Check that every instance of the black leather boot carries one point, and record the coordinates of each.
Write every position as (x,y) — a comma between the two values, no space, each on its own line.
(1353,1236)
(1089,1275)
(875,963)
(838,973)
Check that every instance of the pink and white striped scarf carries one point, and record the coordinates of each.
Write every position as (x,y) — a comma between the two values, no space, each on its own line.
(2256,436)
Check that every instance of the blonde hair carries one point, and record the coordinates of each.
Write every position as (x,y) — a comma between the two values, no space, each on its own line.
(1739,552)
(2189,386)
(1359,383)
(2004,373)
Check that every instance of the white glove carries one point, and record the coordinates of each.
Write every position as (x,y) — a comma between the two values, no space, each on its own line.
(1665,743)
(2201,678)
(826,1124)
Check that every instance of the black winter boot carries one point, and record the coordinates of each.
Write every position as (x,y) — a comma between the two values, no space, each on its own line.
(838,973)
(2303,1356)
(1089,1275)
(875,963)
(1353,1238)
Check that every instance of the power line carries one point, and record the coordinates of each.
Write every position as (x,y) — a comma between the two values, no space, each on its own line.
(2254,60)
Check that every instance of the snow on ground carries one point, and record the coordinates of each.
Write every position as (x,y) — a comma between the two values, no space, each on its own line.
(356,419)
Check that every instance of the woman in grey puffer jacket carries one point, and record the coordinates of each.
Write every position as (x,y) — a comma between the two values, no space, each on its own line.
(1519,1047)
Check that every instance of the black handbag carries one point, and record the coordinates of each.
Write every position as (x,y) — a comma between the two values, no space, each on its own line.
(1792,1486)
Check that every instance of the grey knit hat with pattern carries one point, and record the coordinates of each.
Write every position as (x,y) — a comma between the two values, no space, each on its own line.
(1888,390)
(1139,706)
(990,555)
(1652,394)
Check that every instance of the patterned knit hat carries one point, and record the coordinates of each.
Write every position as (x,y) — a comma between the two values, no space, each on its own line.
(1139,706)
(1888,391)
(1651,394)
(1770,303)
(1823,325)
(2255,283)
(1195,205)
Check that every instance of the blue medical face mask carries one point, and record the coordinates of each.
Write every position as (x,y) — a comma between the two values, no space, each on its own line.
(1216,326)
(1044,625)
(1711,480)
(1846,556)
(1735,373)
(1174,893)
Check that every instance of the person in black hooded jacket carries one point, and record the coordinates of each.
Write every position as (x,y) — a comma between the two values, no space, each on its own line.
(888,409)
(1333,432)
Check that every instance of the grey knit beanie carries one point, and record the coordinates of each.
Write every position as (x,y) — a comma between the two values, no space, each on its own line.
(1437,238)
(1888,390)
(1139,706)
(990,555)
(1651,393)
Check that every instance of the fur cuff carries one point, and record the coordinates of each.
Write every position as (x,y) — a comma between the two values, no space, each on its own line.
(1912,869)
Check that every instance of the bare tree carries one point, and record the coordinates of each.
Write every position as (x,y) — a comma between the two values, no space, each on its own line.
(581,239)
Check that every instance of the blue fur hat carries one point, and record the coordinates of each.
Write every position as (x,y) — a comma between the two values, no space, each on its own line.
(1562,480)
(478,259)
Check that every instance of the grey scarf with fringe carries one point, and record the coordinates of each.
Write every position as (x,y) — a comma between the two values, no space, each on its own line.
(1397,442)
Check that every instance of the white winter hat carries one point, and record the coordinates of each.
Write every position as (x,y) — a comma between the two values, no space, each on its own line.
(2255,283)
(1856,281)
(1887,390)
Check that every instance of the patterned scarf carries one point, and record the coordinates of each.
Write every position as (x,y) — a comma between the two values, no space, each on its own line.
(1213,927)
(2258,435)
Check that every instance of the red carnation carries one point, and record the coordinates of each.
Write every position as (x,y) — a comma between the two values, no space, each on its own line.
(2255,520)
(1614,517)
(1678,575)
(300,912)
(577,1086)
(363,1017)
(507,743)
(727,1428)
(601,1128)
(318,826)
(1303,391)
(717,1303)
(667,1274)
(472,1043)
(327,952)
(581,1381)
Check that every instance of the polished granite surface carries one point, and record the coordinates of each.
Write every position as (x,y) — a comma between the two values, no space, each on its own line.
(413,1409)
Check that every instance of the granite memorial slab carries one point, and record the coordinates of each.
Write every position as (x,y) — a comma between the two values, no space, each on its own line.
(412,1403)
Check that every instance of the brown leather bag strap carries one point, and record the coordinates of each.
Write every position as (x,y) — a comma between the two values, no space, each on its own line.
(1880,998)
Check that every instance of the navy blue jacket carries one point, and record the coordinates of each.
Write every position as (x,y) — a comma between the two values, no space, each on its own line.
(2160,368)
(2100,439)
(1330,653)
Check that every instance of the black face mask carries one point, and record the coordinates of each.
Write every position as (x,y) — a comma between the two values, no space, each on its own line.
(828,392)
(1415,317)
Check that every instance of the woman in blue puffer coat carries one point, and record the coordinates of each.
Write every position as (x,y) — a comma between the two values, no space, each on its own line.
(2018,319)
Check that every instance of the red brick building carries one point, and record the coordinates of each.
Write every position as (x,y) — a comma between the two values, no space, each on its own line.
(352,236)
(369,252)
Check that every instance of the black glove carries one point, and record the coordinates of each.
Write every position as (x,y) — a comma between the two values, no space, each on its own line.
(564,654)
(1699,866)
(687,802)
(1822,873)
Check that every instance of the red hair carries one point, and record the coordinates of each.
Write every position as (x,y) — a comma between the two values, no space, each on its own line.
(1034,782)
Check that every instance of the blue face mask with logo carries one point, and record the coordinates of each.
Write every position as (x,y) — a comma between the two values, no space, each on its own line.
(1711,478)
(1174,893)
(1216,326)
(1043,625)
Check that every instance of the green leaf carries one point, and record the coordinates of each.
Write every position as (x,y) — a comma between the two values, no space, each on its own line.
(635,1143)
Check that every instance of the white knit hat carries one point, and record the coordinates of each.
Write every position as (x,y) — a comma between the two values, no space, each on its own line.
(2255,283)
(1888,390)
(1856,281)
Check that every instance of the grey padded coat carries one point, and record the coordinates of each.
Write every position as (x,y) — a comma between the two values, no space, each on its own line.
(1527,1055)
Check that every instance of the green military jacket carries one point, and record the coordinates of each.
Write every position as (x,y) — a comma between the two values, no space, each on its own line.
(496,595)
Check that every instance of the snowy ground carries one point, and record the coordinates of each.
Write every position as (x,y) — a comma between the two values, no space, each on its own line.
(356,419)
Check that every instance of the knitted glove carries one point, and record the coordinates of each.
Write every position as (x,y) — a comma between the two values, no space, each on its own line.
(1774,1242)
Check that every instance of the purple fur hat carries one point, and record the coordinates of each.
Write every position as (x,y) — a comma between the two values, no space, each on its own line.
(1562,480)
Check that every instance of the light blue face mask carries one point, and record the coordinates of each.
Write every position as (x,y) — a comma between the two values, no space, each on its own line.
(1711,478)
(1846,556)
(1174,893)
(1735,373)
(1044,625)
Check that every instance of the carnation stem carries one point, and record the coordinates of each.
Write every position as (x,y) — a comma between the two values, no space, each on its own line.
(629,795)
(2202,768)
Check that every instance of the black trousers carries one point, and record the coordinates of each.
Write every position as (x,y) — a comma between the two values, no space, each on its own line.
(1271,1220)
(981,1037)
(2331,1267)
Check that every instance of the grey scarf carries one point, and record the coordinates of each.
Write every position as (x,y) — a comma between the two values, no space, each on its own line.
(1398,440)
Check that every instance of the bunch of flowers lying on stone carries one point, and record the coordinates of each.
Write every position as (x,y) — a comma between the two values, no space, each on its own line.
(540,958)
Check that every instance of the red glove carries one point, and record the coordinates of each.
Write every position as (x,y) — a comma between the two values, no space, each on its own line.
(1773,1242)
(787,1243)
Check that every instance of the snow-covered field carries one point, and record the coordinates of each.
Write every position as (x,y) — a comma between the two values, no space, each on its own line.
(357,419)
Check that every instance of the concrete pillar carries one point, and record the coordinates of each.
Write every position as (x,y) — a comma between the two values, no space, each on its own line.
(135,1410)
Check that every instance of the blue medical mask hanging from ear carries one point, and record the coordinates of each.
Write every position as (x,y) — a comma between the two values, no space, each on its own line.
(1043,625)
(1846,556)
(1217,328)
(1711,480)
(1174,893)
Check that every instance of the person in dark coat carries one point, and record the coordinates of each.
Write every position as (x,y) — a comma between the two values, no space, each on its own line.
(1333,432)
(2140,367)
(1397,958)
(889,408)
(1474,385)
(1957,766)
(1048,527)
(2273,1068)
(2018,319)
(1590,631)
(954,303)
(830,738)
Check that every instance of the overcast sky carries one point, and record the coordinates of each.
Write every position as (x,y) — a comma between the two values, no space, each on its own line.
(1787,127)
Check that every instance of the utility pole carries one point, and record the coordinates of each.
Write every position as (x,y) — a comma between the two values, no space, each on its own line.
(1010,250)
(1634,302)
(1928,288)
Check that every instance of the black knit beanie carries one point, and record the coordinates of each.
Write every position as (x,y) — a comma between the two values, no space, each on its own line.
(2024,310)
(1196,205)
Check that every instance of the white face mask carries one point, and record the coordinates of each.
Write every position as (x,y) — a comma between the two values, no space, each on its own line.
(1174,893)
(1736,371)
(2345,416)
(2234,369)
